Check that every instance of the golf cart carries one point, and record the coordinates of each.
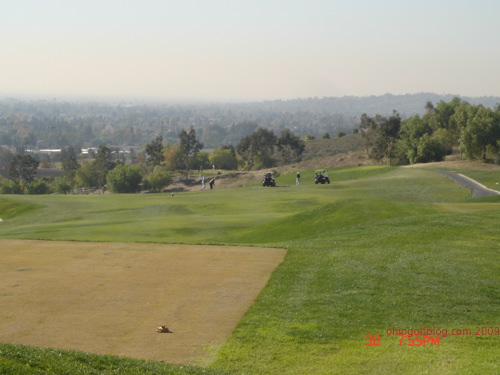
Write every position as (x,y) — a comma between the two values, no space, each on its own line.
(321,177)
(268,179)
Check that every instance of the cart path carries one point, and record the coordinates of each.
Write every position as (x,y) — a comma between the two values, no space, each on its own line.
(478,190)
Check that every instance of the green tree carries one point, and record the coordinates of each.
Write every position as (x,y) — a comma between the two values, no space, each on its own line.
(154,152)
(445,111)
(8,186)
(246,151)
(412,131)
(157,180)
(429,149)
(290,147)
(381,135)
(102,164)
(368,127)
(202,160)
(481,133)
(400,156)
(61,185)
(38,186)
(257,149)
(172,157)
(85,176)
(224,158)
(124,178)
(189,147)
(69,161)
(23,168)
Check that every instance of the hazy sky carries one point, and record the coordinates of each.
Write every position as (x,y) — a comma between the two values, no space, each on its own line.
(249,49)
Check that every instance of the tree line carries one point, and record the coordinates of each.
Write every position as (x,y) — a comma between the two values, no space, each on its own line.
(54,124)
(447,127)
(444,128)
(152,169)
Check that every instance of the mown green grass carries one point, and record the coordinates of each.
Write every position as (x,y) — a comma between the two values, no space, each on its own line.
(11,208)
(337,287)
(28,360)
(377,248)
(490,179)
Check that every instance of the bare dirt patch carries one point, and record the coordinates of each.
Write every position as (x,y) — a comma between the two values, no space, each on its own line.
(109,298)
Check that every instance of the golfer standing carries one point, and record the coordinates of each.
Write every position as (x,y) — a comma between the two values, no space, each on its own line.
(297,179)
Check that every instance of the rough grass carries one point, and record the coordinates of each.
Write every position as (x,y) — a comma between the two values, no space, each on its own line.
(377,248)
(28,360)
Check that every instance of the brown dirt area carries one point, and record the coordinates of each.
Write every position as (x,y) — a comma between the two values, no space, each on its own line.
(109,298)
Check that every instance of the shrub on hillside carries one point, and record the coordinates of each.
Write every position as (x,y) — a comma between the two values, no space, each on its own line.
(157,180)
(124,178)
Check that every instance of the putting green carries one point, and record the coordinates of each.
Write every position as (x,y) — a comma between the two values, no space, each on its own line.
(109,298)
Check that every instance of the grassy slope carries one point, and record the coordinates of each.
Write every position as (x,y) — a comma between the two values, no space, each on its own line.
(378,248)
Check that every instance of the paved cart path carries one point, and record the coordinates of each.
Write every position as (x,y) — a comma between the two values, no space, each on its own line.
(478,190)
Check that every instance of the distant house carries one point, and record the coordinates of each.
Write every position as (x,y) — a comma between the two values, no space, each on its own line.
(49,151)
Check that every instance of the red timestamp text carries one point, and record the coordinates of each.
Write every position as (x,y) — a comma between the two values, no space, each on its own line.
(483,331)
(373,340)
(419,340)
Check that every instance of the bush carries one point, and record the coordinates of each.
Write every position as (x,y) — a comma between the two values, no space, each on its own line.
(400,154)
(61,186)
(429,149)
(157,180)
(85,176)
(8,186)
(38,186)
(124,178)
(223,158)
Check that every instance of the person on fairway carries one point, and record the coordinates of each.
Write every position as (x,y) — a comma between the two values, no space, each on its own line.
(297,179)
(212,183)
